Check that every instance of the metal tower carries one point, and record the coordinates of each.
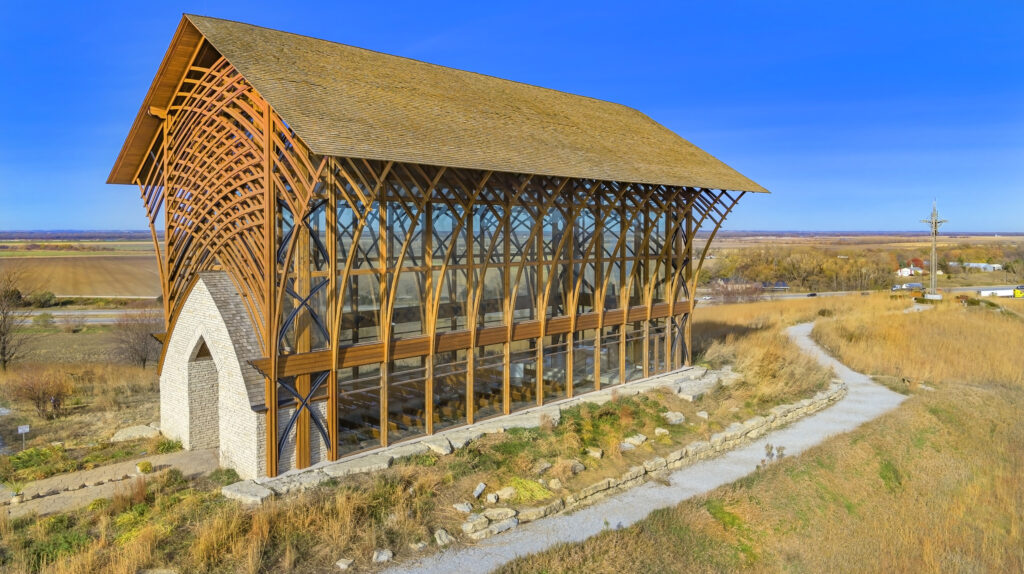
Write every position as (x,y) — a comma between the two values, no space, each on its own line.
(934,223)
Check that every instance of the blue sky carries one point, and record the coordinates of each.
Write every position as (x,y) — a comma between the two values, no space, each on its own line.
(855,115)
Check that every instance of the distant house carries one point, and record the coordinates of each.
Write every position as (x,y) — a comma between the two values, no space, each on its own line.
(982,267)
(909,271)
(776,286)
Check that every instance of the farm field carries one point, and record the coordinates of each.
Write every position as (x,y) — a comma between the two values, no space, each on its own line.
(89,275)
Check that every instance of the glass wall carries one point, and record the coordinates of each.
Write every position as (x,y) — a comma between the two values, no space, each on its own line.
(545,271)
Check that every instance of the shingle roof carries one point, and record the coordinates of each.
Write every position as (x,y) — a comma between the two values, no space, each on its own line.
(347,101)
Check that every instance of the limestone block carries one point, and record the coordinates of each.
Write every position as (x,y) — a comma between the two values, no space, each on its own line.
(655,464)
(474,523)
(495,514)
(134,433)
(507,493)
(479,490)
(674,418)
(442,538)
(371,463)
(636,440)
(495,528)
(537,512)
(344,563)
(463,507)
(439,445)
(247,492)
(381,556)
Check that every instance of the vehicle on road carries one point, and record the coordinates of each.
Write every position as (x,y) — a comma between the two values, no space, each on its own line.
(812,294)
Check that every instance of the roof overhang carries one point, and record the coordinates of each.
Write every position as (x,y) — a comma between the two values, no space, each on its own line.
(173,68)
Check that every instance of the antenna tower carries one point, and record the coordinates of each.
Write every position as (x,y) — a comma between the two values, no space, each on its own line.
(934,224)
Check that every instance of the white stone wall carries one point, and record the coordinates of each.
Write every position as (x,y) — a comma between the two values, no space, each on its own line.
(206,407)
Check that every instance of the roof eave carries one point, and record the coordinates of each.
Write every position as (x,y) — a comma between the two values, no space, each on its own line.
(173,67)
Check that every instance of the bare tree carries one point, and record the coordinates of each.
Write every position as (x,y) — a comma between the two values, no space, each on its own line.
(13,316)
(133,335)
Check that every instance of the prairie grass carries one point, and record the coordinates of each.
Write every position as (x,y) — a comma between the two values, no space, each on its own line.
(931,487)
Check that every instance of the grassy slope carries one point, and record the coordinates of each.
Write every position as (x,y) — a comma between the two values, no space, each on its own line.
(930,487)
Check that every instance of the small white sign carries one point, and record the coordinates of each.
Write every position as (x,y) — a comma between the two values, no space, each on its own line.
(23,429)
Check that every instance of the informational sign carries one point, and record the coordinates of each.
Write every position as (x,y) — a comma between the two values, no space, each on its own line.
(23,429)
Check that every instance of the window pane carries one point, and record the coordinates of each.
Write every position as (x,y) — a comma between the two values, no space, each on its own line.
(523,373)
(358,408)
(407,403)
(554,372)
(488,381)
(583,351)
(449,389)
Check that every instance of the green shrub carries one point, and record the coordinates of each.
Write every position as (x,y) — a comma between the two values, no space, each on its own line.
(224,476)
(43,320)
(145,467)
(42,299)
(166,445)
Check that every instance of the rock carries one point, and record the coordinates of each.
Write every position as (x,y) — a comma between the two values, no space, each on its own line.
(537,512)
(381,556)
(675,455)
(595,488)
(499,513)
(155,425)
(625,446)
(134,433)
(442,538)
(541,467)
(495,528)
(417,546)
(690,396)
(463,507)
(344,563)
(576,467)
(636,440)
(461,438)
(492,498)
(475,523)
(439,445)
(703,415)
(507,493)
(371,463)
(405,450)
(634,472)
(246,492)
(479,490)
(296,482)
(660,432)
(655,464)
(542,482)
(673,418)
(555,484)
(595,452)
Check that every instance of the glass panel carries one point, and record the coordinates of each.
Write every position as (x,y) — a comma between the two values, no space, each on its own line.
(560,286)
(586,278)
(525,307)
(523,373)
(486,239)
(492,298)
(407,405)
(409,310)
(488,381)
(554,230)
(361,312)
(317,228)
(555,360)
(451,313)
(520,246)
(612,295)
(656,346)
(403,222)
(634,351)
(358,408)
(366,254)
(610,348)
(449,389)
(583,235)
(447,234)
(583,351)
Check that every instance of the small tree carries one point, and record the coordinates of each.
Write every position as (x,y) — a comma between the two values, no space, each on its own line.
(43,320)
(46,389)
(12,317)
(133,334)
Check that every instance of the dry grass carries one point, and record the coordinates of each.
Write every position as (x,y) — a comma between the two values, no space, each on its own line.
(947,344)
(931,487)
(92,275)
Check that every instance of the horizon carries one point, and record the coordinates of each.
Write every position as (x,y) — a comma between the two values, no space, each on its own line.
(851,121)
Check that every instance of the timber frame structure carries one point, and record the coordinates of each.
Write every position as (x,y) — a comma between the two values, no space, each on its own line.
(395,293)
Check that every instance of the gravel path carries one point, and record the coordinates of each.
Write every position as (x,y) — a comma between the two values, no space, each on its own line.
(864,401)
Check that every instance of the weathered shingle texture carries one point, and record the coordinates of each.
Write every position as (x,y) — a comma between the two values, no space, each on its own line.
(347,101)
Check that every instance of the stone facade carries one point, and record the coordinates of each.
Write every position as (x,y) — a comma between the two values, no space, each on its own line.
(207,399)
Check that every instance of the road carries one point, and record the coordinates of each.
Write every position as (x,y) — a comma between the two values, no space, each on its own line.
(88,316)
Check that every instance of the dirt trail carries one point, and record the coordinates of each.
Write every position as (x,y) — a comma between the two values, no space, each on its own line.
(865,400)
